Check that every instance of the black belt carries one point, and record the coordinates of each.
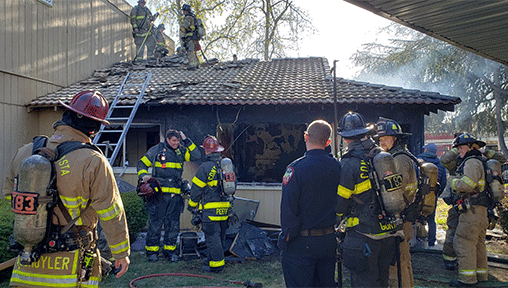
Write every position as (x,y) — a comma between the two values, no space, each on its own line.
(318,232)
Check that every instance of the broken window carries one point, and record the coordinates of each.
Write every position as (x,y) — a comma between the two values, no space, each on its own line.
(261,152)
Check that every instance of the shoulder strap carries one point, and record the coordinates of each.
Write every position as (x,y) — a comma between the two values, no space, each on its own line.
(67,147)
(415,160)
(38,143)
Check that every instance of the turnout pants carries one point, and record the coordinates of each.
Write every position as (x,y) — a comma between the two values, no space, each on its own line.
(215,234)
(368,260)
(452,221)
(406,271)
(469,244)
(192,57)
(309,261)
(140,49)
(163,211)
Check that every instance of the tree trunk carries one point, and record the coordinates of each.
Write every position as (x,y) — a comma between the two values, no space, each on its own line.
(499,120)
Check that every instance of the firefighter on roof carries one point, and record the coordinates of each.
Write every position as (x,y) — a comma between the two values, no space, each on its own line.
(391,138)
(187,32)
(166,159)
(209,197)
(87,191)
(141,21)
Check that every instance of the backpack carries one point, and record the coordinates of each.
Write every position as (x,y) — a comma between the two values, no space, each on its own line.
(200,31)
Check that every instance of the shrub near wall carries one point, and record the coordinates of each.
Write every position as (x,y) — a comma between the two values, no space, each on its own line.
(135,212)
(6,225)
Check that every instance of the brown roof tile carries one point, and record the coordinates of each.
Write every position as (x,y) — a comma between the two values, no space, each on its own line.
(249,82)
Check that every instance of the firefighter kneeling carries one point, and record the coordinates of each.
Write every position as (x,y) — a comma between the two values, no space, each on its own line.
(211,195)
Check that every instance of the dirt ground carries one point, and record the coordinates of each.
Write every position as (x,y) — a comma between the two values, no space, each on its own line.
(428,268)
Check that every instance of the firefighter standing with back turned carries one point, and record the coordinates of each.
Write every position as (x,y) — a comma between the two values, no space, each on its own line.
(141,21)
(469,185)
(369,245)
(86,188)
(391,138)
(307,213)
(207,195)
(167,159)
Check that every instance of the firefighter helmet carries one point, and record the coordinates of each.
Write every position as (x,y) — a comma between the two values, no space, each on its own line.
(210,144)
(388,127)
(90,104)
(186,7)
(465,139)
(352,125)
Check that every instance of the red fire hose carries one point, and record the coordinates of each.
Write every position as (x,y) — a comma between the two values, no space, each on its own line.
(246,283)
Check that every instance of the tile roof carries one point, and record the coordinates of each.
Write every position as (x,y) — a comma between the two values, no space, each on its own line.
(246,82)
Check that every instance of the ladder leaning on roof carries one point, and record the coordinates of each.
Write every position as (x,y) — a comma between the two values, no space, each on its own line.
(135,81)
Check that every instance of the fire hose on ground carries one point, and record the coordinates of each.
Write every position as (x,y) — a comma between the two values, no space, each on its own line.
(247,283)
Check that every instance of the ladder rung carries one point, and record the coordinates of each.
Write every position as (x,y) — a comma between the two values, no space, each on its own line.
(112,131)
(122,107)
(133,84)
(119,119)
(105,145)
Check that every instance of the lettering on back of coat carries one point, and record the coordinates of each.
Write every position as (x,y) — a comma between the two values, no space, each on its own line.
(65,168)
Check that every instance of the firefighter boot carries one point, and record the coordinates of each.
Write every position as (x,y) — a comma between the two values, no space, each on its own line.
(450,265)
(153,257)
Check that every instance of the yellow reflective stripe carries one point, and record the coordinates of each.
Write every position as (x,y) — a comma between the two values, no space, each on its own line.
(192,203)
(139,17)
(449,258)
(218,218)
(152,248)
(467,272)
(134,26)
(146,161)
(482,271)
(344,192)
(109,213)
(120,247)
(213,205)
(468,181)
(44,280)
(352,221)
(8,197)
(362,186)
(143,171)
(192,147)
(73,202)
(92,282)
(171,190)
(213,183)
(168,165)
(162,44)
(216,263)
(198,182)
(481,184)
(169,247)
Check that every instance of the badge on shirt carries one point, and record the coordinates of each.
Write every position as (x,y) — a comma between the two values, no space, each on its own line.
(287,175)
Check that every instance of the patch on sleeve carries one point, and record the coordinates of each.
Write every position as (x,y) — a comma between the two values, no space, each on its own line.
(287,175)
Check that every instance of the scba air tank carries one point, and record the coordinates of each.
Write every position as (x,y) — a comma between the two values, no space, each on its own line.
(430,173)
(228,176)
(29,203)
(496,186)
(390,182)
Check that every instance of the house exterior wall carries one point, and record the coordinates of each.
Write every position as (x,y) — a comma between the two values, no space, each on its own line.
(45,48)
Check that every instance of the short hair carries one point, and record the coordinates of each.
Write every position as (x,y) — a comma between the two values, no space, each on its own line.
(171,133)
(319,132)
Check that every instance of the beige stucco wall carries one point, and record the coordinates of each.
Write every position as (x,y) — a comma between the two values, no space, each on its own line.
(44,48)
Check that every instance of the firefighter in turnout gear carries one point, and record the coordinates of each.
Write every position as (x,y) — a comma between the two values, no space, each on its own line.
(307,213)
(142,22)
(391,139)
(187,32)
(469,185)
(451,160)
(208,197)
(369,245)
(160,50)
(166,159)
(87,192)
